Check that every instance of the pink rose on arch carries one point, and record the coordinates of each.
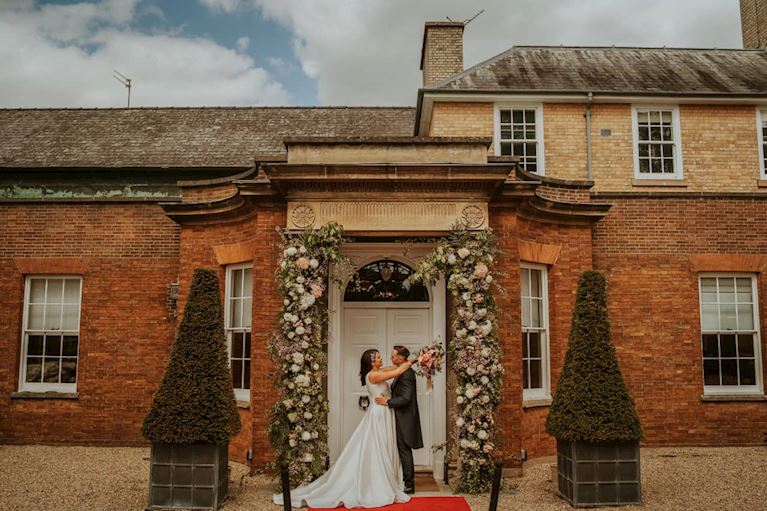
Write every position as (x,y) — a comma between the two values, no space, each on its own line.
(302,263)
(316,290)
(480,270)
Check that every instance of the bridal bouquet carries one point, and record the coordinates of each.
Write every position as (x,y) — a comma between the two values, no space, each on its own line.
(429,361)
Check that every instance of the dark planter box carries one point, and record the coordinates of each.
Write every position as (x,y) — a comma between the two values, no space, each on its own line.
(190,476)
(605,474)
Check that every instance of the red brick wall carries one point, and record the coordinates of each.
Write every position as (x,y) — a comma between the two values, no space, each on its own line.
(129,255)
(196,250)
(644,247)
(575,257)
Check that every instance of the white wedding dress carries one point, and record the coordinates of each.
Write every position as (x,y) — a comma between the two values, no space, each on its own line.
(368,473)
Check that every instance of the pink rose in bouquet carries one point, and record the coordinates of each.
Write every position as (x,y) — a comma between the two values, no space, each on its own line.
(429,361)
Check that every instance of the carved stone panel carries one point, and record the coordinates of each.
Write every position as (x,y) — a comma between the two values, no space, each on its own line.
(382,216)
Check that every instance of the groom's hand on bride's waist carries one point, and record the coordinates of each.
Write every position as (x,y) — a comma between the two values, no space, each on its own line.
(382,400)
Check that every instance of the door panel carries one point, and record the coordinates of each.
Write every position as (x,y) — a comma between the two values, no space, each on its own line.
(411,328)
(363,329)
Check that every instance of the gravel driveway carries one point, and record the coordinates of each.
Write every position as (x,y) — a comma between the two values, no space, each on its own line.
(107,478)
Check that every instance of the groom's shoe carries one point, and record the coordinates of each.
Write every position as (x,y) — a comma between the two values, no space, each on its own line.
(410,490)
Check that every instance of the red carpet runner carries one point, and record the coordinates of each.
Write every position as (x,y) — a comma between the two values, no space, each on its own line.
(420,504)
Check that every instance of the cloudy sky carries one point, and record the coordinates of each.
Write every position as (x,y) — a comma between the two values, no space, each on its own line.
(300,52)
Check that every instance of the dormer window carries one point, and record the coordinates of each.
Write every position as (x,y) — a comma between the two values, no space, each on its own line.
(519,132)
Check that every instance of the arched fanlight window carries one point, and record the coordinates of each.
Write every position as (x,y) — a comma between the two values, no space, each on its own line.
(384,281)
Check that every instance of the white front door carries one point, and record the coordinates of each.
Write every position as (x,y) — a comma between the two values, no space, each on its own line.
(382,328)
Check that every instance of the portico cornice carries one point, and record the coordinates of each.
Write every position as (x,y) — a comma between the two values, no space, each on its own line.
(494,185)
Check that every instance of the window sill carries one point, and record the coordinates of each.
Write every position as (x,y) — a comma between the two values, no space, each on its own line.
(243,404)
(676,183)
(761,183)
(44,395)
(536,403)
(733,397)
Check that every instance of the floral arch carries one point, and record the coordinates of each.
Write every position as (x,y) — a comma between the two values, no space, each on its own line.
(298,427)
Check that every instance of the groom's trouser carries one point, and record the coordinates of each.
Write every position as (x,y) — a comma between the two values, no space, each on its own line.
(406,457)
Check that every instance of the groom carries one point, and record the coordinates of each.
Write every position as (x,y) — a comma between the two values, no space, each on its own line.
(403,401)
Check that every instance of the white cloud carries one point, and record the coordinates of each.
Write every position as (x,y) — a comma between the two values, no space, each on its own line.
(242,44)
(57,56)
(367,51)
(227,6)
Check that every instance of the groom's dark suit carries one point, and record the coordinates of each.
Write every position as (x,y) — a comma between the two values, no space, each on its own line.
(405,404)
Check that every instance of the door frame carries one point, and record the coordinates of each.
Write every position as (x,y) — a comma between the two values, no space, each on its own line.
(363,253)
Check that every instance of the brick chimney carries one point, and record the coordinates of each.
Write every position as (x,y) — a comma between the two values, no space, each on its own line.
(442,50)
(753,18)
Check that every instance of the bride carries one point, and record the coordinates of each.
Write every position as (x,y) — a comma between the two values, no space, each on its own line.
(368,472)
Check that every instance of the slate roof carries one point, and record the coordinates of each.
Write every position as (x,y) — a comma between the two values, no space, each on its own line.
(620,71)
(179,137)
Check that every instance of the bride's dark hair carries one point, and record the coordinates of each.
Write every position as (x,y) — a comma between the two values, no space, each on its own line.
(366,364)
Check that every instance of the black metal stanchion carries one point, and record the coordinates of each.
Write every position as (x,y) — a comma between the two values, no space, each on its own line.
(286,502)
(496,486)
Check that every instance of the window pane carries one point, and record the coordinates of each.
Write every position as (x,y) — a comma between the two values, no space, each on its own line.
(236,282)
(746,345)
(525,282)
(35,345)
(69,370)
(727,345)
(55,291)
(525,341)
(71,317)
(505,149)
(53,316)
(505,115)
(69,348)
(52,345)
(518,116)
(236,313)
(72,291)
(530,116)
(710,345)
(35,317)
(644,134)
(745,316)
(247,312)
(37,291)
(237,344)
(727,319)
(711,372)
(246,376)
(729,372)
(710,316)
(642,117)
(526,313)
(505,133)
(535,374)
(535,344)
(535,283)
(644,166)
(237,374)
(747,372)
(708,285)
(51,370)
(34,369)
(726,285)
(536,314)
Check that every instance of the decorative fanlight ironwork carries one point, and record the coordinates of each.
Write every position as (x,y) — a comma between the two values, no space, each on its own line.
(384,281)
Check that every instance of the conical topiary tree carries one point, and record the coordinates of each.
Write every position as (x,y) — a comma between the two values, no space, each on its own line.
(195,402)
(592,403)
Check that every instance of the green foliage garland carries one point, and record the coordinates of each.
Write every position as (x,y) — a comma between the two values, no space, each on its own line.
(592,403)
(298,427)
(195,401)
(466,259)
